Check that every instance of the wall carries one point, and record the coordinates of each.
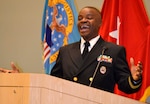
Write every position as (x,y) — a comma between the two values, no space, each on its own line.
(20,32)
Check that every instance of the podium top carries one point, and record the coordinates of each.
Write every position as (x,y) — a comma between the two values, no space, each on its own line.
(53,84)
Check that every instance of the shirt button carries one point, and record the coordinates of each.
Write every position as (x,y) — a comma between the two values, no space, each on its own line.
(91,78)
(75,78)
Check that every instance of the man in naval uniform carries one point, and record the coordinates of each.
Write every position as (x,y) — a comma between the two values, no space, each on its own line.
(105,63)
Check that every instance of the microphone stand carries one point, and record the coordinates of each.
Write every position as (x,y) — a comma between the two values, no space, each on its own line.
(97,67)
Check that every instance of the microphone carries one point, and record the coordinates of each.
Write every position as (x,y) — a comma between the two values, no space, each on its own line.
(104,49)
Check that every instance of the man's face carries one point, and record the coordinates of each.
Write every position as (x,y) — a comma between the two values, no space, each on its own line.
(89,21)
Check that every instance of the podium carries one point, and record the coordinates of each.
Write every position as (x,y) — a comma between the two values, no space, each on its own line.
(24,88)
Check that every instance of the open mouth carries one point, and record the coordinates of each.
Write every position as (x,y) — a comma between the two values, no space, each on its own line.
(84,28)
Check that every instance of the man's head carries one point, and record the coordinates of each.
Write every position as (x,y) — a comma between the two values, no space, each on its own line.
(89,21)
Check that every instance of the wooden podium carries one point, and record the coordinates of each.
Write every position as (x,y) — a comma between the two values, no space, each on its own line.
(23,88)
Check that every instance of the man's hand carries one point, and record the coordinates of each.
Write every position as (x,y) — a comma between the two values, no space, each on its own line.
(14,69)
(136,70)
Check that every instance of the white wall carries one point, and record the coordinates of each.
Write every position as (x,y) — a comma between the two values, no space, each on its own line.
(20,32)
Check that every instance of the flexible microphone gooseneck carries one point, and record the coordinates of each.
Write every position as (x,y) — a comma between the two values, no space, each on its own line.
(104,49)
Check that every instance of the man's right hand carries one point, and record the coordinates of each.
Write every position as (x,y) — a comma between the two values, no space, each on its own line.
(14,69)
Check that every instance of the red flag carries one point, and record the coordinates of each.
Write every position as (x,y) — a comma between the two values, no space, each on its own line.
(126,23)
